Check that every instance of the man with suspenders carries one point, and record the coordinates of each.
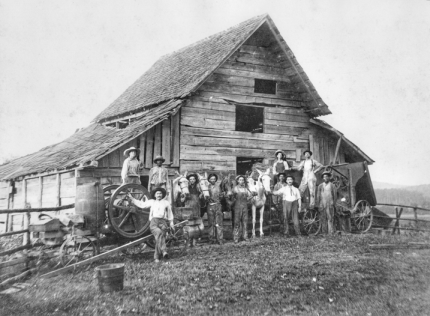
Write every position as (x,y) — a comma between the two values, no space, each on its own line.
(310,167)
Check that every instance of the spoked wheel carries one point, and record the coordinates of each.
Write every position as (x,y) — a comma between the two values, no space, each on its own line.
(127,219)
(362,216)
(107,194)
(177,242)
(75,249)
(311,222)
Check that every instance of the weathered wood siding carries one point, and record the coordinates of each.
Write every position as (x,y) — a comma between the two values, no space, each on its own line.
(208,137)
(162,139)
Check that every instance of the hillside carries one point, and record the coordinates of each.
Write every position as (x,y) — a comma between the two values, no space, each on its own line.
(413,195)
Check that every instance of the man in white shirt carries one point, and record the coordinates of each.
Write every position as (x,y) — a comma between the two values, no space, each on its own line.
(310,167)
(131,166)
(160,216)
(291,202)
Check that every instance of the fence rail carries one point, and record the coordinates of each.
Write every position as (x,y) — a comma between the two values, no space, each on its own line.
(398,208)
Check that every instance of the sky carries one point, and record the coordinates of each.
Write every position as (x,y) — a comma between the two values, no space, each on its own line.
(63,62)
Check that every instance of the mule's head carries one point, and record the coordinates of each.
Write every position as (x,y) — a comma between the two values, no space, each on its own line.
(265,179)
(182,183)
(204,185)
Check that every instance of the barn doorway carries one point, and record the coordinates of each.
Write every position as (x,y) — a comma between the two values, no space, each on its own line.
(244,164)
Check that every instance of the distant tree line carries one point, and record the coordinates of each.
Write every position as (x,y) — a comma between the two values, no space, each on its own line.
(403,197)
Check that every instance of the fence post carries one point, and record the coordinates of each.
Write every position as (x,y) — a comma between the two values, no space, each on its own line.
(416,217)
(397,221)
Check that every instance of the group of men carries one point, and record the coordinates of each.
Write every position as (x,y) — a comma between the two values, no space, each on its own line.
(161,215)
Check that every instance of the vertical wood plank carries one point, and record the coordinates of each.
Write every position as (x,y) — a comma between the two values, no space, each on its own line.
(298,154)
(149,148)
(8,224)
(157,140)
(27,216)
(321,150)
(165,148)
(316,151)
(40,191)
(311,143)
(58,187)
(142,139)
(336,152)
(175,139)
(114,158)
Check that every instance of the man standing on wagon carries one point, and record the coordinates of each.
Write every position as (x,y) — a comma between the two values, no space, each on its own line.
(214,209)
(160,217)
(326,201)
(158,175)
(310,167)
(131,166)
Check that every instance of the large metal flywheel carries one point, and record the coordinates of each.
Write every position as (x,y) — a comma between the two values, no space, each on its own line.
(126,219)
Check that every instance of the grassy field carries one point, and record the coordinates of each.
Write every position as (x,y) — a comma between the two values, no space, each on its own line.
(336,275)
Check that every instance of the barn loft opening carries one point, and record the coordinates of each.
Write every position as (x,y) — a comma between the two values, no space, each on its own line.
(244,164)
(249,118)
(265,86)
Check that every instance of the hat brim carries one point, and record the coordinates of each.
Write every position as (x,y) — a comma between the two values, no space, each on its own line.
(281,173)
(326,173)
(290,176)
(126,152)
(162,190)
(307,151)
(162,159)
(213,175)
(193,175)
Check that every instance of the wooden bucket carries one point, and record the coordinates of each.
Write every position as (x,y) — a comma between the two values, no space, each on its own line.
(110,277)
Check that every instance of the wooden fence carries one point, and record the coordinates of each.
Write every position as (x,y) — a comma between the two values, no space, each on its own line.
(399,212)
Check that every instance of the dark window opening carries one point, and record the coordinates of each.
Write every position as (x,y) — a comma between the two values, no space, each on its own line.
(244,164)
(249,119)
(265,86)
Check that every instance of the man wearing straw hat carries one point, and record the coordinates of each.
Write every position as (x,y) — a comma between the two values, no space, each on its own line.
(214,210)
(158,175)
(326,201)
(131,166)
(160,217)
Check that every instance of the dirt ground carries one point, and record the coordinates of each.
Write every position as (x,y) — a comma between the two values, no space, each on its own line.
(337,275)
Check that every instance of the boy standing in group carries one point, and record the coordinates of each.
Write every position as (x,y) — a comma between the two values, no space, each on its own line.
(158,175)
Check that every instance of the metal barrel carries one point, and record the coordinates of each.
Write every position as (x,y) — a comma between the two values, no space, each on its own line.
(110,277)
(88,202)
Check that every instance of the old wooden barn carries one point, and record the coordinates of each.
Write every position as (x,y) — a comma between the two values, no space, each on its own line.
(221,104)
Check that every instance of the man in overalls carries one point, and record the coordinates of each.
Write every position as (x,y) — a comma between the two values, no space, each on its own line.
(131,166)
(310,167)
(193,201)
(326,201)
(280,165)
(160,217)
(158,175)
(241,195)
(214,209)
(277,200)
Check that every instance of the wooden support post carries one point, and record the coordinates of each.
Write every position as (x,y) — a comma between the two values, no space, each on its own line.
(336,153)
(397,224)
(149,148)
(27,216)
(40,192)
(166,139)
(352,195)
(416,217)
(157,140)
(397,220)
(311,143)
(58,189)
(298,154)
(142,140)
(175,139)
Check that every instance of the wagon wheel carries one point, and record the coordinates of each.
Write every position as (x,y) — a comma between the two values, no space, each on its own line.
(127,219)
(311,222)
(362,216)
(178,241)
(337,181)
(75,249)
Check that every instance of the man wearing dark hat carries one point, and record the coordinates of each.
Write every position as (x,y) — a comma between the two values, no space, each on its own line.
(310,167)
(158,175)
(160,217)
(280,165)
(326,201)
(193,200)
(214,209)
(292,203)
(131,166)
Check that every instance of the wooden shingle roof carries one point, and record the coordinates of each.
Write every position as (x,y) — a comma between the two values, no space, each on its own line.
(90,143)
